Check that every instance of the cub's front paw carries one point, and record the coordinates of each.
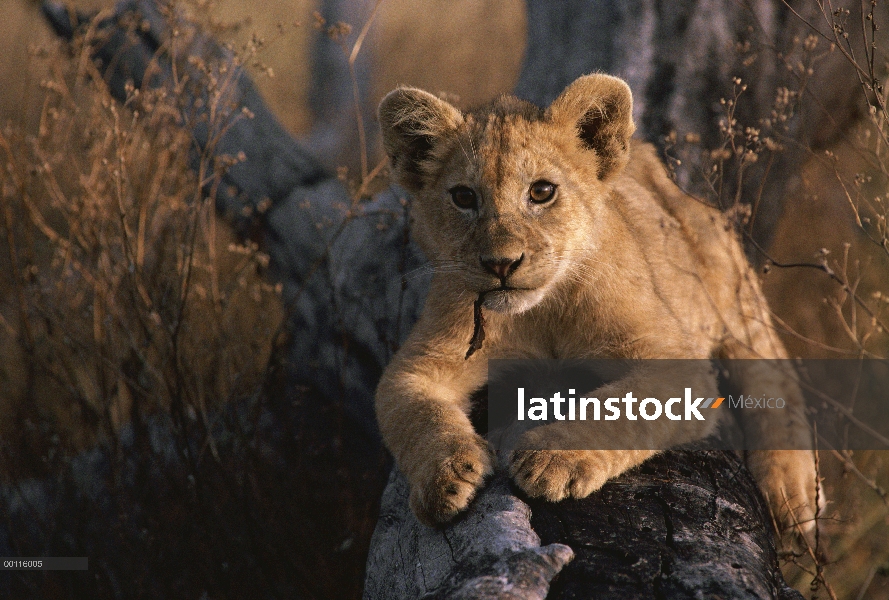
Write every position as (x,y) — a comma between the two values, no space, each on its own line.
(788,480)
(557,474)
(448,481)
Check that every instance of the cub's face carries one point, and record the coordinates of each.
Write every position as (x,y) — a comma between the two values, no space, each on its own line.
(501,209)
(507,198)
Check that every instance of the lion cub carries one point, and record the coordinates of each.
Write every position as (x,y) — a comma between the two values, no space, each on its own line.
(577,245)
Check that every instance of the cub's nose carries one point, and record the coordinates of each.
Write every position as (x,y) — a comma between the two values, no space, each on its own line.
(501,267)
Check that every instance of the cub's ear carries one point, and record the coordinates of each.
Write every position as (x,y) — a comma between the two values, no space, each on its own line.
(411,120)
(599,108)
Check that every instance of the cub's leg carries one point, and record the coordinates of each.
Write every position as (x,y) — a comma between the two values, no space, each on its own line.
(787,478)
(574,459)
(422,409)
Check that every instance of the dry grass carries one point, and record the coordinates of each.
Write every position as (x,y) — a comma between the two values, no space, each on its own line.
(838,219)
(826,276)
(121,292)
(821,315)
(116,193)
(835,306)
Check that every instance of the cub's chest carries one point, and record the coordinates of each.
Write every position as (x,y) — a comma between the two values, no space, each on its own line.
(576,332)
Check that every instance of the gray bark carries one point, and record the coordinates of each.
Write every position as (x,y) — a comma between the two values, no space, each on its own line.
(491,552)
(331,99)
(689,523)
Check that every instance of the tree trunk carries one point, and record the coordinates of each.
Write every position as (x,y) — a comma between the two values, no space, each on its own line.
(687,523)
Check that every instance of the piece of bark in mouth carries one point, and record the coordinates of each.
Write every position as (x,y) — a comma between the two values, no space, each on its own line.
(478,334)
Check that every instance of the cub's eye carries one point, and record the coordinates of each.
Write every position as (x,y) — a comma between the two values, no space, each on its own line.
(542,191)
(463,197)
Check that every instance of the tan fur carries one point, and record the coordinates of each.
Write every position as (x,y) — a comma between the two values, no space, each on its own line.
(620,263)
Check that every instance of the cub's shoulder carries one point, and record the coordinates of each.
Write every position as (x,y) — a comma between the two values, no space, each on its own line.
(646,186)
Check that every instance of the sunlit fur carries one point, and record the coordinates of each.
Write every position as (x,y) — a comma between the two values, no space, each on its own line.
(620,263)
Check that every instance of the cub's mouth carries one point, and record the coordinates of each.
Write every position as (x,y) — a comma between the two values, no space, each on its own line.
(494,295)
(507,288)
(503,299)
(509,299)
